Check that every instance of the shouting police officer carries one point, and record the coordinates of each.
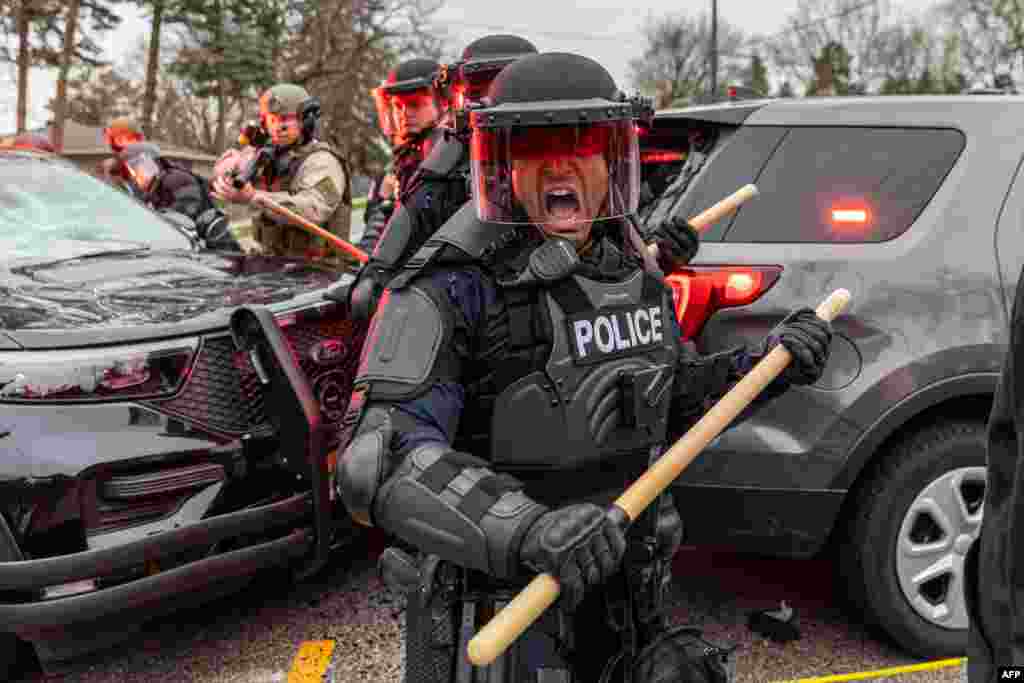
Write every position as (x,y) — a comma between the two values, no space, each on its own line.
(416,112)
(440,186)
(519,373)
(164,186)
(305,175)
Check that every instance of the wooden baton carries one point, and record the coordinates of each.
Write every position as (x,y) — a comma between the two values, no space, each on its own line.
(310,227)
(508,624)
(712,214)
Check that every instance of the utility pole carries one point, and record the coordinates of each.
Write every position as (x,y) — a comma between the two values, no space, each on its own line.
(714,49)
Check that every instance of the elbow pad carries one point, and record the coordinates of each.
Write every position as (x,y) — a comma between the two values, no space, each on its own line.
(365,465)
(450,504)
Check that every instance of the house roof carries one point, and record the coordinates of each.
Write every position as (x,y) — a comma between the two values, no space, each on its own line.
(82,140)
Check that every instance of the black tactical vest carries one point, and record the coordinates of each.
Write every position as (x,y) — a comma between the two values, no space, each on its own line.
(577,401)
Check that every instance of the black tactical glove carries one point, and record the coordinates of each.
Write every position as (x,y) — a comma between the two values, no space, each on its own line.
(677,243)
(580,545)
(807,337)
(367,291)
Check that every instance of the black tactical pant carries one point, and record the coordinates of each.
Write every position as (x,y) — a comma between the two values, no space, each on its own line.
(619,618)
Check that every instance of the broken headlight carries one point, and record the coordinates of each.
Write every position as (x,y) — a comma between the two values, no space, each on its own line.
(134,372)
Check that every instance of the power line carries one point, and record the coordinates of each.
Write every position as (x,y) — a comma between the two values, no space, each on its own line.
(564,35)
(838,15)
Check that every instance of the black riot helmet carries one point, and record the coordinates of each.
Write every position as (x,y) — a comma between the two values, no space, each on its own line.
(467,80)
(410,76)
(411,84)
(555,143)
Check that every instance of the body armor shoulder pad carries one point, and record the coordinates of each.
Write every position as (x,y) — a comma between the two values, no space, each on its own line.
(413,327)
(463,239)
(476,238)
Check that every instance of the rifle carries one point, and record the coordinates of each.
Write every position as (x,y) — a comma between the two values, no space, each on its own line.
(253,135)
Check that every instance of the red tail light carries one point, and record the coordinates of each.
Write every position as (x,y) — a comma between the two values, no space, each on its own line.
(699,291)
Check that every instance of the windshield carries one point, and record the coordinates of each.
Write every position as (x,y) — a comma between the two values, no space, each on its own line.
(51,210)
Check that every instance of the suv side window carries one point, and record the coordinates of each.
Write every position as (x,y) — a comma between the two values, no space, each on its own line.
(881,177)
(735,162)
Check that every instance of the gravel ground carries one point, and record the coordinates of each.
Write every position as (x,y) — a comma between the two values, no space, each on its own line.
(253,637)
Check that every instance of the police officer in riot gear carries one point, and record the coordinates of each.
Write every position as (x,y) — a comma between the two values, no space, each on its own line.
(441,184)
(307,175)
(120,133)
(519,374)
(165,186)
(416,113)
(381,197)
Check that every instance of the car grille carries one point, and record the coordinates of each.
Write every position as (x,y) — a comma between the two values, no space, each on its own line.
(153,483)
(223,391)
(131,498)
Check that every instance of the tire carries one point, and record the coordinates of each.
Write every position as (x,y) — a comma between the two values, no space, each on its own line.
(903,519)
(425,627)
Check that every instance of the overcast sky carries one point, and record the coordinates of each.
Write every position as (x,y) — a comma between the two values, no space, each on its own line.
(606,30)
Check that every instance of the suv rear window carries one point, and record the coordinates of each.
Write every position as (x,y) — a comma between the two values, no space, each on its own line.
(841,184)
(882,178)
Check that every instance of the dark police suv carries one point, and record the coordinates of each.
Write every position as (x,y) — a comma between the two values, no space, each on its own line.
(914,204)
(143,464)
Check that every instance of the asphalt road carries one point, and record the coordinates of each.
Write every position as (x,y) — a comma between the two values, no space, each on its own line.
(255,636)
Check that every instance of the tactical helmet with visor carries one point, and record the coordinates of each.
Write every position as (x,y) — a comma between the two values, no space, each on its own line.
(555,145)
(288,114)
(466,81)
(141,163)
(385,114)
(409,90)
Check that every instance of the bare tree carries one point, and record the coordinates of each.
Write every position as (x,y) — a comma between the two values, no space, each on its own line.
(984,39)
(340,50)
(60,108)
(152,62)
(674,67)
(856,25)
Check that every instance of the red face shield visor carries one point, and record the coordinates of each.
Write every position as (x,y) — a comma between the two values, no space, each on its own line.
(385,116)
(539,143)
(585,158)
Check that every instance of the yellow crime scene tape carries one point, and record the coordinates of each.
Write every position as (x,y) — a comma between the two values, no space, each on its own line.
(880,673)
(314,658)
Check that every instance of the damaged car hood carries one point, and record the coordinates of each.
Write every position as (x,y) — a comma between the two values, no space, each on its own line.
(144,295)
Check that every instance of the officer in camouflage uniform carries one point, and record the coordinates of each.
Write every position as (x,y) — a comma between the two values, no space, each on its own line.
(306,175)
(518,375)
(416,112)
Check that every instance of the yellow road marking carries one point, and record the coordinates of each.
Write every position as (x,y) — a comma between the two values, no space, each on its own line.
(311,661)
(892,671)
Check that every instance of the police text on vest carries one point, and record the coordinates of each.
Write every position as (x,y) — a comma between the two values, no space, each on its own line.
(612,332)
